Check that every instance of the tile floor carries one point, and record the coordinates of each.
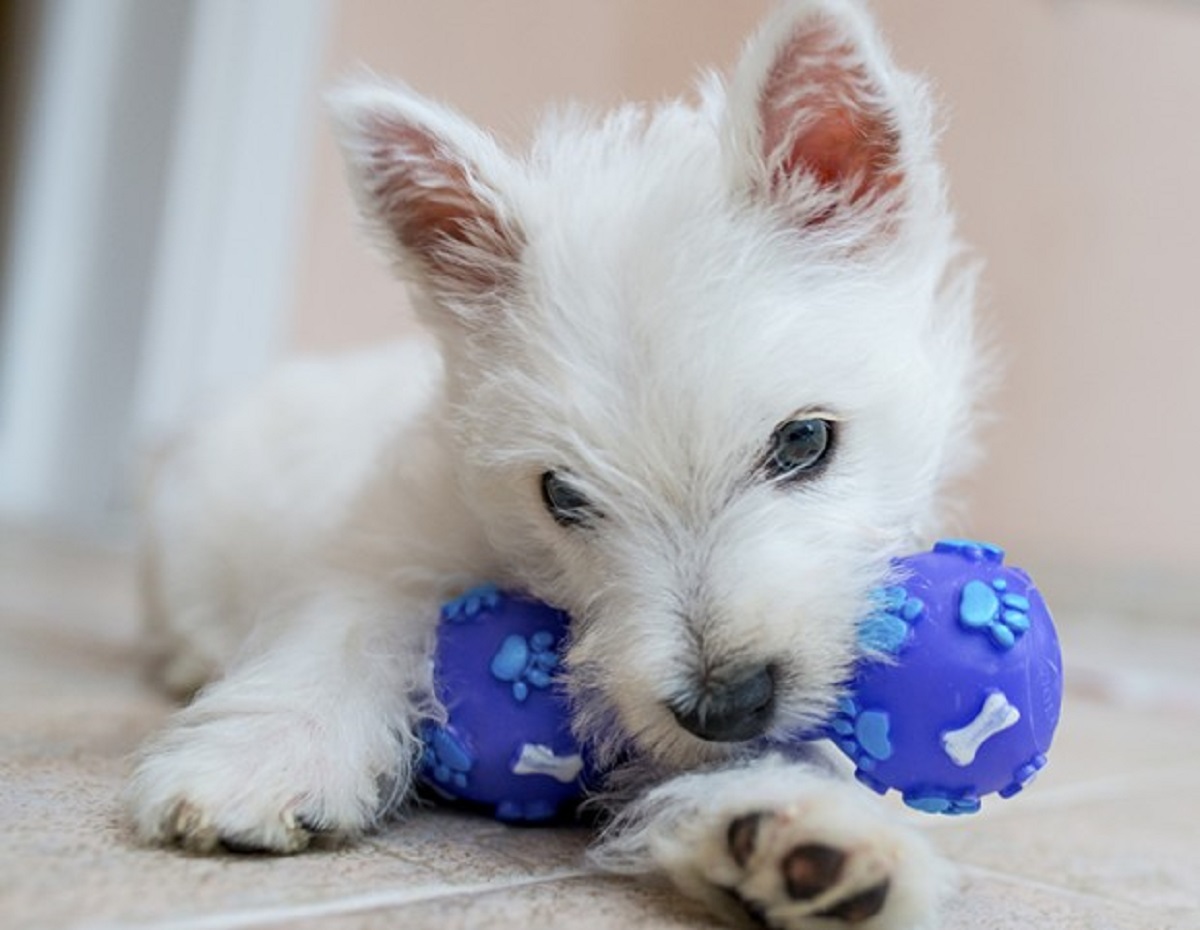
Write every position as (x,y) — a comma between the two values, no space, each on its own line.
(1108,838)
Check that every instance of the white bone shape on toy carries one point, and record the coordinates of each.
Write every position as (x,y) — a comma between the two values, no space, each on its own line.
(536,759)
(996,716)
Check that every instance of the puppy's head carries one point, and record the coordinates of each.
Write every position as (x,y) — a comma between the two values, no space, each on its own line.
(707,366)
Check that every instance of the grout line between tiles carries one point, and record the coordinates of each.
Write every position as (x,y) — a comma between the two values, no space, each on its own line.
(1082,897)
(998,875)
(1182,776)
(354,904)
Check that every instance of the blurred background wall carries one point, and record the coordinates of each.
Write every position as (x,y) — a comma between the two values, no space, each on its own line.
(1072,144)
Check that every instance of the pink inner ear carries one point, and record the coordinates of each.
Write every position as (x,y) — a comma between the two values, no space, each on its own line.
(822,117)
(424,192)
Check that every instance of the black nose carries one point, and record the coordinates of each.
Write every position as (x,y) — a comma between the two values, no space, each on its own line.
(729,712)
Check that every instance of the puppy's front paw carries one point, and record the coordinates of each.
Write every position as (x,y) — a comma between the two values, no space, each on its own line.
(191,826)
(789,876)
(825,859)
(252,782)
(777,845)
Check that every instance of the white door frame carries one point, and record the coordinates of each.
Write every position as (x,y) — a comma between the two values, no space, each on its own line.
(148,273)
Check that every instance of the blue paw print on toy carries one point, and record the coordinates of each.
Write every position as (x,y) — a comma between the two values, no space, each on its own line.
(531,811)
(445,758)
(863,734)
(526,662)
(973,550)
(934,803)
(1023,776)
(991,609)
(469,605)
(888,628)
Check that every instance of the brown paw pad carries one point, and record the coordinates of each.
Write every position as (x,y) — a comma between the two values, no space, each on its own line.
(811,870)
(742,837)
(756,912)
(860,907)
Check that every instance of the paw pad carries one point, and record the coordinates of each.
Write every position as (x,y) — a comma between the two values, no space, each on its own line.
(526,662)
(861,907)
(991,609)
(789,878)
(811,870)
(743,837)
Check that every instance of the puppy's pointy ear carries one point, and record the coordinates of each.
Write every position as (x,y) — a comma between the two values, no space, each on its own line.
(430,184)
(821,121)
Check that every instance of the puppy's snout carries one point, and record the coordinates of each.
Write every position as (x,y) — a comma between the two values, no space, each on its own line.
(728,711)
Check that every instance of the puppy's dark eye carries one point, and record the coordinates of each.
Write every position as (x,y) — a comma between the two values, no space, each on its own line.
(799,447)
(566,503)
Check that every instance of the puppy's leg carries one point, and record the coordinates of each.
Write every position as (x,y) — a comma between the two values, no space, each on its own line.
(780,844)
(314,734)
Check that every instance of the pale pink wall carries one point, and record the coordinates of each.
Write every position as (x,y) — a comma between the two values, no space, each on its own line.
(1074,153)
(1073,145)
(500,63)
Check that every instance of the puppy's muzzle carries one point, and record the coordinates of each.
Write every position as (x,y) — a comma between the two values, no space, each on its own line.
(728,711)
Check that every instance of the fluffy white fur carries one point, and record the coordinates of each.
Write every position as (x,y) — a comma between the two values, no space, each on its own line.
(637,304)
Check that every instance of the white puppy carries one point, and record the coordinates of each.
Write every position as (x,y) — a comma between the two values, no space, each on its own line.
(695,374)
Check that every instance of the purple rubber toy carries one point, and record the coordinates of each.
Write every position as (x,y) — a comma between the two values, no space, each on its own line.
(506,745)
(957,698)
(965,695)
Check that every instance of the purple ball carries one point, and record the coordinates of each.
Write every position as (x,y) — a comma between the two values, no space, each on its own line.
(960,695)
(506,745)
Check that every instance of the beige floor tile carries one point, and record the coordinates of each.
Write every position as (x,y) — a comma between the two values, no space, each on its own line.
(997,901)
(69,859)
(1099,741)
(1137,846)
(586,903)
(69,584)
(1145,666)
(1106,839)
(1107,835)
